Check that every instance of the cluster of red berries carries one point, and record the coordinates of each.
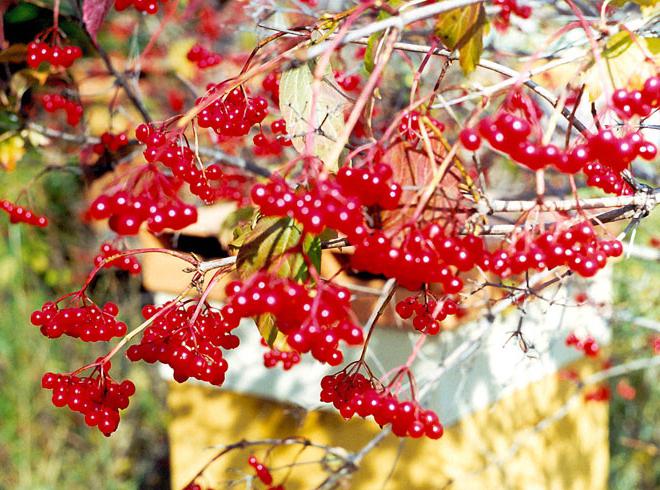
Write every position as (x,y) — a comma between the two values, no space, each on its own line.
(347,82)
(313,321)
(209,184)
(576,247)
(85,321)
(264,146)
(509,134)
(39,52)
(629,103)
(233,116)
(149,7)
(202,57)
(410,124)
(262,472)
(588,345)
(355,394)
(323,204)
(98,398)
(600,394)
(110,142)
(428,313)
(155,202)
(373,187)
(55,102)
(127,263)
(189,339)
(19,214)
(274,356)
(507,8)
(271,85)
(415,259)
(335,203)
(611,155)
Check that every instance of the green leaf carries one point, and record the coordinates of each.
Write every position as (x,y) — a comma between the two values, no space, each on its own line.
(463,30)
(263,246)
(296,107)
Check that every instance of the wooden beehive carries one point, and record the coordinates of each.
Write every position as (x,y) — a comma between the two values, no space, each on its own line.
(492,404)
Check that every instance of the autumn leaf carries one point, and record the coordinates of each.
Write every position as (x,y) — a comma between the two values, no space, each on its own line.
(264,247)
(463,30)
(296,106)
(12,150)
(624,61)
(94,11)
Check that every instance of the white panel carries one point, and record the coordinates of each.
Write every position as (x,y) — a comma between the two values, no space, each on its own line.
(489,370)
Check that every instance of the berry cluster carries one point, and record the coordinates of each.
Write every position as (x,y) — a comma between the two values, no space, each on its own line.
(373,187)
(588,345)
(154,201)
(126,263)
(58,56)
(335,203)
(576,247)
(629,103)
(189,337)
(208,184)
(202,57)
(274,356)
(19,214)
(313,321)
(271,85)
(149,7)
(55,102)
(355,394)
(414,258)
(234,116)
(428,313)
(110,142)
(507,8)
(264,146)
(85,321)
(262,472)
(98,398)
(610,155)
(410,123)
(347,82)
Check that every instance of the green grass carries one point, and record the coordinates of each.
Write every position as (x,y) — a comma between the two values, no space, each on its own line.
(43,447)
(634,429)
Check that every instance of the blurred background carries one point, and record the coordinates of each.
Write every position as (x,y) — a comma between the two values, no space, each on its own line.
(40,445)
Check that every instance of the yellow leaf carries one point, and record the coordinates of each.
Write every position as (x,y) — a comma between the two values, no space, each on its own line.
(178,60)
(463,30)
(12,150)
(624,62)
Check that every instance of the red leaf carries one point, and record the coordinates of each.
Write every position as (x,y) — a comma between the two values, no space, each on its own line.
(94,11)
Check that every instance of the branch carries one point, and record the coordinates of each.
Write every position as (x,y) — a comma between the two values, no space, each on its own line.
(398,22)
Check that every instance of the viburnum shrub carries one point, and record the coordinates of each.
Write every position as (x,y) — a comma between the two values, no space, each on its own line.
(388,134)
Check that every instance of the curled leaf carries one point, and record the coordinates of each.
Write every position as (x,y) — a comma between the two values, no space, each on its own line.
(463,30)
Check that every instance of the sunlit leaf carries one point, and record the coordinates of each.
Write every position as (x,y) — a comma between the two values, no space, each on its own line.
(12,150)
(263,247)
(296,105)
(624,62)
